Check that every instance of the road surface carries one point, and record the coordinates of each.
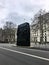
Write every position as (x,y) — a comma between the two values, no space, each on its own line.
(10,55)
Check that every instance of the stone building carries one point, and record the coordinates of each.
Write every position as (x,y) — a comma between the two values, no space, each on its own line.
(38,35)
(7,36)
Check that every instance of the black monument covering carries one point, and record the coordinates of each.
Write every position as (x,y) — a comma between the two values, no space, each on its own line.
(23,34)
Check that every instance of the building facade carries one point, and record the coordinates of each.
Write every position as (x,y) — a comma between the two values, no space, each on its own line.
(40,32)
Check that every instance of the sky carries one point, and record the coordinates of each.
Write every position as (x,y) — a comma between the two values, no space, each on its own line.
(20,11)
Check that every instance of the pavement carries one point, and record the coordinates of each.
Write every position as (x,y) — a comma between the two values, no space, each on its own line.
(10,55)
(40,46)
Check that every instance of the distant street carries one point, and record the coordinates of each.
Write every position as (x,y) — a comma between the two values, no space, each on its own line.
(11,55)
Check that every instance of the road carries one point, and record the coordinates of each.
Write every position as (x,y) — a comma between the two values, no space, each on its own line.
(10,55)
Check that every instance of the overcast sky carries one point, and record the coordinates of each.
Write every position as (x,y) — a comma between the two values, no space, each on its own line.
(19,11)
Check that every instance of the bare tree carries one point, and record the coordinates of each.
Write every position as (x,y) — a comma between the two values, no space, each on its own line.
(39,20)
(9,31)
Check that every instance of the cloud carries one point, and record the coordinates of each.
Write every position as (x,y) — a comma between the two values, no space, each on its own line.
(17,10)
(15,18)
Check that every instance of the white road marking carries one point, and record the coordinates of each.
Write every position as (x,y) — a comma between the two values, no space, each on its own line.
(42,58)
